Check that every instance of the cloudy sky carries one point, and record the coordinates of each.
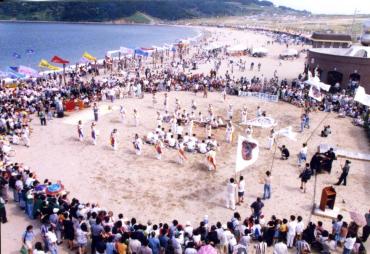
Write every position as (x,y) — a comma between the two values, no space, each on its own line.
(328,6)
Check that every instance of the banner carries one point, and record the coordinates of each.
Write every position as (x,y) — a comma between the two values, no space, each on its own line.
(89,57)
(59,60)
(315,93)
(28,71)
(362,97)
(261,96)
(246,153)
(262,121)
(45,64)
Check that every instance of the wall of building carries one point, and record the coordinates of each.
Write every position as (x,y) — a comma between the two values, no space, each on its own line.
(343,64)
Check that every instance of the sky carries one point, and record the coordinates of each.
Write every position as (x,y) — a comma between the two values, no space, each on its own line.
(328,6)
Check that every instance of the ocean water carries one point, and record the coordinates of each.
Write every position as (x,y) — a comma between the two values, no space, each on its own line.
(70,41)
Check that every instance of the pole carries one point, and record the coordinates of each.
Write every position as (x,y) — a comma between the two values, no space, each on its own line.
(64,74)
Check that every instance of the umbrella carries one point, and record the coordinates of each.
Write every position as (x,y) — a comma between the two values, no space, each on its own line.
(358,218)
(207,249)
(54,189)
(40,187)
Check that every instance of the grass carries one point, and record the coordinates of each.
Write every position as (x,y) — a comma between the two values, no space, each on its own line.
(139,17)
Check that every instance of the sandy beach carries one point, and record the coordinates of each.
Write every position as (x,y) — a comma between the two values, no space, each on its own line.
(149,189)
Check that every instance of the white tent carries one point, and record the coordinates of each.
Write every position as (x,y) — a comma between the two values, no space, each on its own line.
(259,51)
(289,52)
(213,46)
(236,48)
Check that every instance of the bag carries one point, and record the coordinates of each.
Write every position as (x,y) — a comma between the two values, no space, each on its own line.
(24,250)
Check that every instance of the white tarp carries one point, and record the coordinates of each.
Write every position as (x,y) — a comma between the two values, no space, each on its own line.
(236,48)
(287,132)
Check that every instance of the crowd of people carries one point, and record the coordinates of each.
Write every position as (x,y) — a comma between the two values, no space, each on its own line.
(87,226)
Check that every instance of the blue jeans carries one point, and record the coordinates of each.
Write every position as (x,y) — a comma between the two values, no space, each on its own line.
(267,191)
(29,210)
(346,251)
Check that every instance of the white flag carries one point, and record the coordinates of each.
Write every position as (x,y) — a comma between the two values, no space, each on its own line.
(315,93)
(246,153)
(362,97)
(287,132)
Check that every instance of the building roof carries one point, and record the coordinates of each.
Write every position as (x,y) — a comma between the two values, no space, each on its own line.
(354,51)
(331,37)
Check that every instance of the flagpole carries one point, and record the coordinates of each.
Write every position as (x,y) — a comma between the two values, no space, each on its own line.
(64,74)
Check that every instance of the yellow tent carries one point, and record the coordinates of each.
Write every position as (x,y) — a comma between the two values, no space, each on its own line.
(89,57)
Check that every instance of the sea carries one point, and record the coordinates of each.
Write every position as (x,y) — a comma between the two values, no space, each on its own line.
(27,43)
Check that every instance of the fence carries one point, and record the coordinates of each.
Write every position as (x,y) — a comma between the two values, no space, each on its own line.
(261,96)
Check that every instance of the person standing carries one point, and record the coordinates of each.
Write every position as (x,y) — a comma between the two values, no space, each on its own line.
(241,190)
(349,243)
(305,176)
(138,144)
(267,185)
(256,207)
(3,218)
(229,132)
(302,156)
(94,133)
(113,139)
(42,116)
(79,131)
(230,194)
(136,118)
(96,112)
(158,146)
(292,226)
(345,171)
(27,238)
(122,113)
(330,156)
(280,247)
(366,228)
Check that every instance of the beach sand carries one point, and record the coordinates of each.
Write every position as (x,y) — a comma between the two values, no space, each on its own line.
(145,188)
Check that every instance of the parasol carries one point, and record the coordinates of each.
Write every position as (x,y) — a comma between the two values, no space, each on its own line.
(54,189)
(358,218)
(207,249)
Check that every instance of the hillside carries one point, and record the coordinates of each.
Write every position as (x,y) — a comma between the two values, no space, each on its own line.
(106,11)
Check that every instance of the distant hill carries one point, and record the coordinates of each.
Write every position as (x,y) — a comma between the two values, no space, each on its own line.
(134,10)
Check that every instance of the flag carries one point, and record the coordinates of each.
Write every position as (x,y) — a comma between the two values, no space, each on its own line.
(89,57)
(362,97)
(315,92)
(16,55)
(59,60)
(246,153)
(45,64)
(287,132)
(30,51)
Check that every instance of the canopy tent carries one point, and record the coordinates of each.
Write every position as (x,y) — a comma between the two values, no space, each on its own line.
(213,46)
(237,48)
(259,51)
(289,52)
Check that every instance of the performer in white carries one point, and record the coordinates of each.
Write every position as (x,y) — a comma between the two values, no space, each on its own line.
(271,139)
(244,115)
(79,131)
(138,144)
(94,133)
(224,94)
(190,126)
(26,136)
(136,118)
(113,139)
(122,113)
(229,132)
(181,153)
(159,119)
(211,160)
(230,194)
(249,131)
(230,112)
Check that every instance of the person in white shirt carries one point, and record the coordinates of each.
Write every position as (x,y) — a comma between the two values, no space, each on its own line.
(229,132)
(172,142)
(149,138)
(202,147)
(122,113)
(302,156)
(280,247)
(179,130)
(292,226)
(138,144)
(300,226)
(349,243)
(241,189)
(230,194)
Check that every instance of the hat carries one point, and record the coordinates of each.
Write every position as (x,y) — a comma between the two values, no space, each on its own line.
(187,223)
(224,226)
(55,210)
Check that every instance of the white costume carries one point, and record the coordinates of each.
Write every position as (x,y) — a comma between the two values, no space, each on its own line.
(230,195)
